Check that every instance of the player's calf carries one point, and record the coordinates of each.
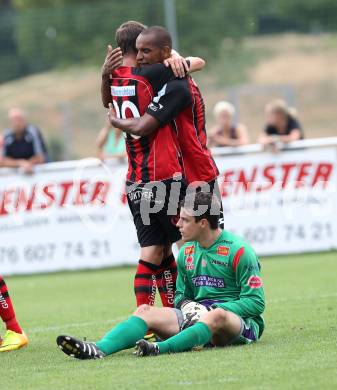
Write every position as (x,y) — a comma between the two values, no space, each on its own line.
(163,321)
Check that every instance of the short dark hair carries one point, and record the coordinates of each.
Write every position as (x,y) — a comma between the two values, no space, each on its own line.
(126,36)
(161,35)
(192,202)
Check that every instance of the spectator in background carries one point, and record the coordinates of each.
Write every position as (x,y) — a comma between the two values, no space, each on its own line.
(23,145)
(225,132)
(110,144)
(282,125)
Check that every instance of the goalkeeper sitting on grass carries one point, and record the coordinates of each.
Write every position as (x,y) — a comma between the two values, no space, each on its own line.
(218,302)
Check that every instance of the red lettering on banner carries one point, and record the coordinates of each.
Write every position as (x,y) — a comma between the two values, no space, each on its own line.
(14,200)
(124,198)
(262,178)
(323,173)
(100,192)
(49,195)
(65,187)
(21,200)
(286,172)
(82,190)
(302,173)
(31,199)
(247,183)
(6,201)
(267,173)
(225,183)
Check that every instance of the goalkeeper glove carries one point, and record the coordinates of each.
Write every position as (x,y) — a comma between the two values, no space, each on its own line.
(192,312)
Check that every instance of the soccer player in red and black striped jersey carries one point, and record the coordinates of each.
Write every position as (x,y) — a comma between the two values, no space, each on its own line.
(181,104)
(152,158)
(14,337)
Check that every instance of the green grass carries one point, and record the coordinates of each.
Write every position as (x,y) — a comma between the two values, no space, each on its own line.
(297,351)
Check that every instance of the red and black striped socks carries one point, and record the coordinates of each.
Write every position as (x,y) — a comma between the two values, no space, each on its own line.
(145,283)
(6,309)
(150,276)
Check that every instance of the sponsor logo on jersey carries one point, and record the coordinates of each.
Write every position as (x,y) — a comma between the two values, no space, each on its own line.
(254,282)
(227,242)
(129,90)
(223,250)
(189,263)
(155,107)
(208,281)
(189,250)
(217,262)
(203,262)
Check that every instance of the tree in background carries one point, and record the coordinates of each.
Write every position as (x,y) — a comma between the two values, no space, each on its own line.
(37,35)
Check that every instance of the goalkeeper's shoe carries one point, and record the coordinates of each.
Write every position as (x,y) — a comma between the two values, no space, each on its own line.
(12,341)
(145,348)
(79,349)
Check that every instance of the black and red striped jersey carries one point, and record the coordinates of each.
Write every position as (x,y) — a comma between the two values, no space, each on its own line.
(182,104)
(154,157)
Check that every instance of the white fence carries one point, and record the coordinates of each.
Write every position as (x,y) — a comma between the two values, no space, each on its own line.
(73,214)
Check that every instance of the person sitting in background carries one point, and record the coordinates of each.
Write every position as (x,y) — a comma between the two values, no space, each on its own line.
(282,126)
(225,132)
(23,144)
(110,144)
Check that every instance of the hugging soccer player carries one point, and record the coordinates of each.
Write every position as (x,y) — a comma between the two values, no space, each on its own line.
(219,299)
(130,90)
(14,337)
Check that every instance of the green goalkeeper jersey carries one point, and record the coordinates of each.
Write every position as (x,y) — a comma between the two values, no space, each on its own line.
(227,274)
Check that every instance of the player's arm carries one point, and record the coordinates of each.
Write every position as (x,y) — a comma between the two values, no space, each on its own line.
(183,292)
(180,66)
(141,127)
(172,68)
(112,61)
(251,302)
(170,101)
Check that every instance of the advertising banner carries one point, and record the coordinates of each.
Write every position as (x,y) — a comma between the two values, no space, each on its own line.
(74,215)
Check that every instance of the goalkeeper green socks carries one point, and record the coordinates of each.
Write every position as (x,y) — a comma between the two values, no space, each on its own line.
(198,334)
(123,336)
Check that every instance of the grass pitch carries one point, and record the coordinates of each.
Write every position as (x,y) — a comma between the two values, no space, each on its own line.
(297,351)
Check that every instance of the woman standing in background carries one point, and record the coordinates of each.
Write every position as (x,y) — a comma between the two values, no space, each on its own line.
(226,132)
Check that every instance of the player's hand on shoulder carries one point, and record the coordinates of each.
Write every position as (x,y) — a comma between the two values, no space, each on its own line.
(113,60)
(178,64)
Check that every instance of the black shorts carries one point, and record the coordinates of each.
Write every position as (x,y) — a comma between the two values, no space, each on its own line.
(156,227)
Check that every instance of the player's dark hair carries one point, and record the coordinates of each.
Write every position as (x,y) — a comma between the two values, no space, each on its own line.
(161,36)
(126,36)
(192,202)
